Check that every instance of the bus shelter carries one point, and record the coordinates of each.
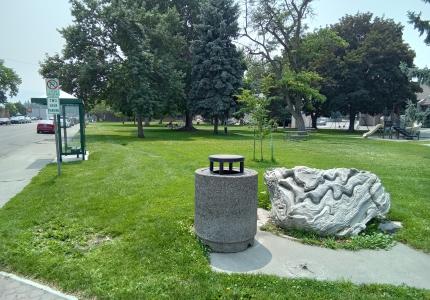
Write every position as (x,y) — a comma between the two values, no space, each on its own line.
(71,124)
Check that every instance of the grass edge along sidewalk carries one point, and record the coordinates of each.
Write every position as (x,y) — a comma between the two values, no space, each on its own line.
(119,225)
(12,287)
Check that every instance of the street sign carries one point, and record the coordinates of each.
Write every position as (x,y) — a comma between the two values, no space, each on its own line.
(53,95)
(53,106)
(53,101)
(52,88)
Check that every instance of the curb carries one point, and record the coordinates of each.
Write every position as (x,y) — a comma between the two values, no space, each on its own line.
(37,285)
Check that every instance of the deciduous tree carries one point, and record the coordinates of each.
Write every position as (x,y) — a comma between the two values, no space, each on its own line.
(9,82)
(21,109)
(11,108)
(124,52)
(257,108)
(320,51)
(371,79)
(275,30)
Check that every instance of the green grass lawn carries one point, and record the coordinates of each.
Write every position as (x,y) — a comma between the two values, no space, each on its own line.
(119,226)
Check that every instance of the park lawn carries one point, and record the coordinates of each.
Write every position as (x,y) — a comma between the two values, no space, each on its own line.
(119,226)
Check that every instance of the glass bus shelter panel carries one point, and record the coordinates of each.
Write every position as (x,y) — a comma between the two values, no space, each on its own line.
(71,130)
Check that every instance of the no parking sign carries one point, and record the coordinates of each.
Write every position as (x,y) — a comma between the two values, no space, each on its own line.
(53,102)
(53,95)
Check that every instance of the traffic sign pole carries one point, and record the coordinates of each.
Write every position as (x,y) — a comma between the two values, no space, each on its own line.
(53,102)
(57,145)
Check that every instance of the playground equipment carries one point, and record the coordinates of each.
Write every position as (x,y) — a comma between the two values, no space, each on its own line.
(388,128)
(408,133)
(373,131)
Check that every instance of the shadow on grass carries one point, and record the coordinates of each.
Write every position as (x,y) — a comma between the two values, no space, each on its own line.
(117,133)
(120,135)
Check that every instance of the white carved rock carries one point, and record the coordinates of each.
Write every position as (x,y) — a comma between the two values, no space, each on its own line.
(336,202)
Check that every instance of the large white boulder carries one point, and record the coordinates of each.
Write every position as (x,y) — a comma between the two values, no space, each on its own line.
(328,202)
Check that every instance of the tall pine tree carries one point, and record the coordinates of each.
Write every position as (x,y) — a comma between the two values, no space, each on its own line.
(217,67)
(423,26)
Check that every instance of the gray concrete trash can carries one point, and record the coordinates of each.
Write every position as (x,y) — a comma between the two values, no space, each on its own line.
(226,204)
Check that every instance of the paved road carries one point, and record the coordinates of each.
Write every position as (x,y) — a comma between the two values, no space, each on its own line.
(14,137)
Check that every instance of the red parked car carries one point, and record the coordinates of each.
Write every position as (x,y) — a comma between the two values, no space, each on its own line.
(45,126)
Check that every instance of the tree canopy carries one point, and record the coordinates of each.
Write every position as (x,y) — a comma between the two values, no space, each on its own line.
(275,30)
(156,58)
(423,26)
(9,82)
(124,52)
(320,52)
(217,66)
(363,72)
(11,108)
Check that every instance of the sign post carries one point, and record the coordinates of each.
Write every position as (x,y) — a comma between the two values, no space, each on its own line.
(53,102)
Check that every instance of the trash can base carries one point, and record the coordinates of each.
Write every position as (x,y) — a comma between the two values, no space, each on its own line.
(228,247)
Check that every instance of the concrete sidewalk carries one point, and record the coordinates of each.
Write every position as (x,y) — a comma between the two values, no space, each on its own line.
(285,257)
(13,287)
(22,165)
(25,153)
(25,157)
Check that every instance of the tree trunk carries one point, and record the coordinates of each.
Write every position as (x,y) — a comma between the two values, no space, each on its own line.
(254,143)
(161,121)
(147,122)
(351,119)
(261,146)
(140,133)
(294,107)
(188,121)
(314,118)
(300,123)
(272,155)
(216,123)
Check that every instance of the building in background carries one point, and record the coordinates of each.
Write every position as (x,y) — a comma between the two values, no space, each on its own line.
(38,111)
(424,98)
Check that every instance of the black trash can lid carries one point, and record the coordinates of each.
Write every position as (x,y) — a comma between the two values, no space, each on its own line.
(226,158)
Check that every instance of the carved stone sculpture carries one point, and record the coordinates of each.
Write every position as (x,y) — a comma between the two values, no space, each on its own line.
(328,202)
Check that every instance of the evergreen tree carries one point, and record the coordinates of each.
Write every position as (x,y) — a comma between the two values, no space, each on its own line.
(218,67)
(189,10)
(423,26)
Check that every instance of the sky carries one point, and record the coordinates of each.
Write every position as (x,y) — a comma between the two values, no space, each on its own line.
(28,30)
